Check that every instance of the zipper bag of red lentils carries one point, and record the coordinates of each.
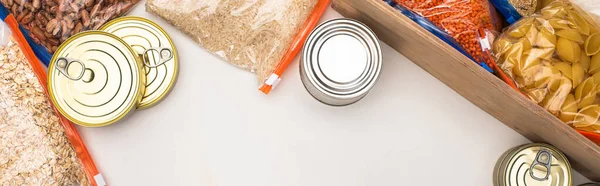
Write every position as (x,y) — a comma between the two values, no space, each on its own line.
(38,146)
(453,27)
(262,36)
(48,23)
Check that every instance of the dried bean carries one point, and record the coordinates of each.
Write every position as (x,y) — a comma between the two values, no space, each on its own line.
(53,21)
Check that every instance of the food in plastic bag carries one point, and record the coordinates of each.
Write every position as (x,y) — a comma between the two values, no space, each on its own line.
(513,10)
(262,36)
(37,145)
(459,18)
(51,22)
(554,57)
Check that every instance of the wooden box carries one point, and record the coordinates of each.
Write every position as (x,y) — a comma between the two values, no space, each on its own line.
(473,82)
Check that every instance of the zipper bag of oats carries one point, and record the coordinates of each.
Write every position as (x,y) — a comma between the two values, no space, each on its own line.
(48,23)
(38,146)
(262,36)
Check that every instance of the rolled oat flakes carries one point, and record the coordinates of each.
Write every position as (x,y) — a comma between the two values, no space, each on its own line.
(34,149)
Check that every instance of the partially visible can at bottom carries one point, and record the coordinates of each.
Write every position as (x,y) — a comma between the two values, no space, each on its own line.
(533,165)
(341,61)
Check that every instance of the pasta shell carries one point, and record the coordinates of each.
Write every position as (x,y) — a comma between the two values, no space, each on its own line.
(528,66)
(554,79)
(553,12)
(568,50)
(501,46)
(555,99)
(578,74)
(585,93)
(517,49)
(545,39)
(582,25)
(520,31)
(570,34)
(568,109)
(537,95)
(543,78)
(559,24)
(594,64)
(565,68)
(542,53)
(585,62)
(592,44)
(587,116)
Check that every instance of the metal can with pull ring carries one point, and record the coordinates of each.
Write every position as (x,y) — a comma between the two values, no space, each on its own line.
(95,79)
(157,51)
(533,165)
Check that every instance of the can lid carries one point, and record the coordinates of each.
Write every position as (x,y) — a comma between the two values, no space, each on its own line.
(535,165)
(342,58)
(95,79)
(157,51)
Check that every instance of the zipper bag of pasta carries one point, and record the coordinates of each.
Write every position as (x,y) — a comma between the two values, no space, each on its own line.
(38,146)
(262,36)
(554,58)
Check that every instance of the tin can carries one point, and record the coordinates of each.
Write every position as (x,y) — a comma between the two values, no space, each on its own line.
(95,79)
(341,61)
(157,51)
(533,165)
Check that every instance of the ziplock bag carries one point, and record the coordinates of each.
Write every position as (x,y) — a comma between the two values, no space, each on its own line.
(48,23)
(554,57)
(262,36)
(37,145)
(461,19)
(489,66)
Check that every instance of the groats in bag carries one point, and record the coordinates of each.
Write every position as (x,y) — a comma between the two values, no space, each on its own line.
(37,145)
(48,23)
(554,57)
(262,36)
(513,10)
(461,19)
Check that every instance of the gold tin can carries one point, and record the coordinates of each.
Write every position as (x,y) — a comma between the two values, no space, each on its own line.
(157,51)
(533,165)
(95,79)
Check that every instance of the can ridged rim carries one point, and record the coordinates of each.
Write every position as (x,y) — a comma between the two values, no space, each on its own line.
(164,94)
(500,169)
(364,83)
(130,108)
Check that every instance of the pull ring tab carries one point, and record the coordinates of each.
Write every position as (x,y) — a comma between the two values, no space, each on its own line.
(544,158)
(164,55)
(62,64)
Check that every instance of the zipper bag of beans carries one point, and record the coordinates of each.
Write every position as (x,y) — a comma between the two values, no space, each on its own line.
(38,146)
(554,58)
(262,36)
(48,23)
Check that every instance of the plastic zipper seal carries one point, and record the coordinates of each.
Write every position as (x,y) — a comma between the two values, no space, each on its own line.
(295,46)
(82,153)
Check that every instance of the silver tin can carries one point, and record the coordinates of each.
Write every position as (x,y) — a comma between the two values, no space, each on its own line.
(341,61)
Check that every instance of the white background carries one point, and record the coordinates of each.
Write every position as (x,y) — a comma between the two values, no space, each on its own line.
(216,128)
